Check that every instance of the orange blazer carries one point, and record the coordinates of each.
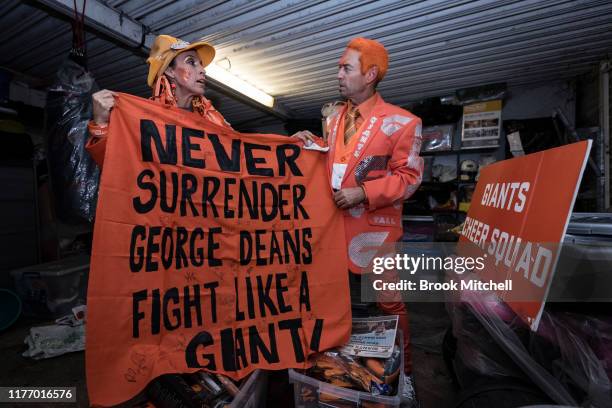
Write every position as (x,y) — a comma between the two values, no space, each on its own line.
(387,164)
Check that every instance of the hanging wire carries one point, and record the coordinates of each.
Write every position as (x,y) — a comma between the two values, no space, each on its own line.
(78,53)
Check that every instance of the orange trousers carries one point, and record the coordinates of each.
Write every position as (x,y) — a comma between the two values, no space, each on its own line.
(399,308)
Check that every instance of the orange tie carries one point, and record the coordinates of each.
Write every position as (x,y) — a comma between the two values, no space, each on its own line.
(350,123)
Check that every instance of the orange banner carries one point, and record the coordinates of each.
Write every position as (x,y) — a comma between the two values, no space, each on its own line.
(518,215)
(212,250)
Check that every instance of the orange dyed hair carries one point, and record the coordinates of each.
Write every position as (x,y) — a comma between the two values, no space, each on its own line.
(373,53)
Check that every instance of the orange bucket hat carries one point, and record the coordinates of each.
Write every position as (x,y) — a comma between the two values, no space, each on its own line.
(166,48)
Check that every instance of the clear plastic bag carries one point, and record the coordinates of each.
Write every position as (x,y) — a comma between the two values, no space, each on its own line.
(437,138)
(562,346)
(74,175)
(560,358)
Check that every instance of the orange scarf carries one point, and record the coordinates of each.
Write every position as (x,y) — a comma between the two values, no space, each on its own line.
(202,106)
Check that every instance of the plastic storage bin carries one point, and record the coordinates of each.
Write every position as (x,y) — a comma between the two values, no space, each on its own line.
(327,395)
(52,289)
(10,308)
(253,393)
(583,271)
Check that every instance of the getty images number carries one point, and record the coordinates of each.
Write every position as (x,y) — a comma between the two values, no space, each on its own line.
(39,394)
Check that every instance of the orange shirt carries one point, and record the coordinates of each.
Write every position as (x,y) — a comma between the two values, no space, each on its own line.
(343,151)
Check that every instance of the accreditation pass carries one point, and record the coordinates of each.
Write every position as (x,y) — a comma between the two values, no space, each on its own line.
(37,394)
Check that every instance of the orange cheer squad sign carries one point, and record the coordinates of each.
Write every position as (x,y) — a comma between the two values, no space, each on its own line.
(212,250)
(518,216)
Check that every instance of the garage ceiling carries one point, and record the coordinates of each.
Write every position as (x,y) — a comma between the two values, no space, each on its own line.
(290,48)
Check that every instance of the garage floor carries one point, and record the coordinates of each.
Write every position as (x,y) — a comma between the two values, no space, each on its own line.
(428,323)
(67,370)
(434,386)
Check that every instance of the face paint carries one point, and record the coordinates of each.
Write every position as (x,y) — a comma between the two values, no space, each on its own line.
(184,74)
(351,81)
(188,74)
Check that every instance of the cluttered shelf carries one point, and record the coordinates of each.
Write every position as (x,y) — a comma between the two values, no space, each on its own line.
(450,173)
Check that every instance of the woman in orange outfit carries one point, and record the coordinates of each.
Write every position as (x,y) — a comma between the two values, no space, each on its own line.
(177,77)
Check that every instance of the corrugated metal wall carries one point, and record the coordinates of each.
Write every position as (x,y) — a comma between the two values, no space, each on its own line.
(290,48)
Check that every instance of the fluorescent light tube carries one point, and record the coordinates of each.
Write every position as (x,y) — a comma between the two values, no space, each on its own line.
(225,77)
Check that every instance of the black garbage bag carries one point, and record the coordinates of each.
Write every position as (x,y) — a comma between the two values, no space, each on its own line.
(74,175)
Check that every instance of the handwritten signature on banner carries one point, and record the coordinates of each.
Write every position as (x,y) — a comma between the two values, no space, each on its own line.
(212,250)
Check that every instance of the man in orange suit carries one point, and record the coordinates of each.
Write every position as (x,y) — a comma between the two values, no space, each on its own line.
(374,163)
